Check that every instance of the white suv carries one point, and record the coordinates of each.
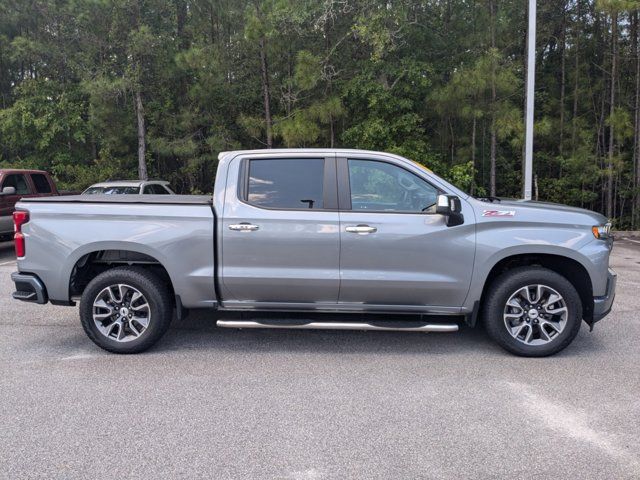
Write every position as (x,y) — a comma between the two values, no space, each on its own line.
(131,187)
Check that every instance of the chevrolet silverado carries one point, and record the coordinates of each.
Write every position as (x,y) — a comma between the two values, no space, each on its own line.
(318,238)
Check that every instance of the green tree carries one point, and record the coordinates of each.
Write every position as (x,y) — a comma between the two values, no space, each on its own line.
(92,89)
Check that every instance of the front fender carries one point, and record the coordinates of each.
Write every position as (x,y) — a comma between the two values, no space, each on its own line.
(498,241)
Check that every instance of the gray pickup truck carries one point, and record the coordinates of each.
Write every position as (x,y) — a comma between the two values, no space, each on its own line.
(324,239)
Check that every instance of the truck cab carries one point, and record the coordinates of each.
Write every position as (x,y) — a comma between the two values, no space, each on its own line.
(367,234)
(16,184)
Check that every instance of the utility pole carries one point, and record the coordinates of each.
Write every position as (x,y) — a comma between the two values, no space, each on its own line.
(530,95)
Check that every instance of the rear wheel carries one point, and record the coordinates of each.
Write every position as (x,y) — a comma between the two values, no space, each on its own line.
(532,311)
(126,309)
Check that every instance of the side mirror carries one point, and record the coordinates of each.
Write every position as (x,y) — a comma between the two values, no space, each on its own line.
(451,207)
(8,191)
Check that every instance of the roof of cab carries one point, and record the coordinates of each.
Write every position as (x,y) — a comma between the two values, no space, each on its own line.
(319,151)
(280,151)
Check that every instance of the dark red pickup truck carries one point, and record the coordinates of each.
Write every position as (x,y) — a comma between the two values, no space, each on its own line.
(16,184)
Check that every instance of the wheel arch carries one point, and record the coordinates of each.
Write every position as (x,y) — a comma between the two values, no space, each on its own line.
(95,258)
(570,268)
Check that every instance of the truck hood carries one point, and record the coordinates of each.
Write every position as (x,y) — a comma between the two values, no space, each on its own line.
(555,212)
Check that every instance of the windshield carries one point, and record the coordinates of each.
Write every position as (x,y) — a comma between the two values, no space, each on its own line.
(452,183)
(112,190)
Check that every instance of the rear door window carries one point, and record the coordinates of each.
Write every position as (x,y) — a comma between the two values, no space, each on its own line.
(41,183)
(286,183)
(17,181)
(121,190)
(157,189)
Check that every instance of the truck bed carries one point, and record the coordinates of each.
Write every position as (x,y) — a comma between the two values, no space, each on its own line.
(176,231)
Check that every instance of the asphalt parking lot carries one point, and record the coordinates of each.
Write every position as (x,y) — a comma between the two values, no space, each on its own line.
(272,404)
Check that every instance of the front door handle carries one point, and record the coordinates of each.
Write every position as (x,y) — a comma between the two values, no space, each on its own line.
(361,229)
(244,227)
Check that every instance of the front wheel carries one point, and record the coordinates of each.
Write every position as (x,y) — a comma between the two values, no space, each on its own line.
(532,311)
(126,309)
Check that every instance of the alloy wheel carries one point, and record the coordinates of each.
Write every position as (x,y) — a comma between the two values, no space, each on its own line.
(535,314)
(121,312)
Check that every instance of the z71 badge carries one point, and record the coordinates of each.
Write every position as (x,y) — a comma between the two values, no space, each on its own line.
(499,213)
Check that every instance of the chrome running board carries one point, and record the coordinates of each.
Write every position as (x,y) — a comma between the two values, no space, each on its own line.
(429,327)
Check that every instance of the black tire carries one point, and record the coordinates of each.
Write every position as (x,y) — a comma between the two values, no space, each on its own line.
(511,281)
(156,293)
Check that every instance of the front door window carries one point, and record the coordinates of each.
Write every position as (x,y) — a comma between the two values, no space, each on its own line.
(17,181)
(383,187)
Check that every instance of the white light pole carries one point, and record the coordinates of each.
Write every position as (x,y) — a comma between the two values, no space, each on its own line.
(530,94)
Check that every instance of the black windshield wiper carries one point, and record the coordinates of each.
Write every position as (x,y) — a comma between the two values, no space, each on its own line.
(488,199)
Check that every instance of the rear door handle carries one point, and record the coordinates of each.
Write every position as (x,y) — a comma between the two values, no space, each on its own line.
(361,229)
(244,227)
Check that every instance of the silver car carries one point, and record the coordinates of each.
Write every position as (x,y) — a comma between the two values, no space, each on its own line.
(130,187)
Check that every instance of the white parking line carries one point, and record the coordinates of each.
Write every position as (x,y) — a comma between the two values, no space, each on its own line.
(7,263)
(80,356)
(569,421)
(631,240)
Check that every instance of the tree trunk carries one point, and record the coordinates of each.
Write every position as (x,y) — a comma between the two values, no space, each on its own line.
(212,25)
(615,195)
(635,204)
(142,162)
(289,95)
(492,174)
(264,70)
(332,133)
(612,106)
(601,144)
(329,94)
(473,154)
(483,160)
(181,18)
(453,142)
(563,44)
(574,117)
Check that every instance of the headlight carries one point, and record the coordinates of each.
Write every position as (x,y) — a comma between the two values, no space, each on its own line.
(602,231)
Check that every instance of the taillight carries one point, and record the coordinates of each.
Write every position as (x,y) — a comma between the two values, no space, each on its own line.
(19,219)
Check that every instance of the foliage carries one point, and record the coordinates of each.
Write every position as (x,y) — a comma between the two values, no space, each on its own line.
(430,80)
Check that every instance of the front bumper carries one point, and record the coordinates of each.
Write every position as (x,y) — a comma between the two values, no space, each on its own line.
(29,288)
(602,305)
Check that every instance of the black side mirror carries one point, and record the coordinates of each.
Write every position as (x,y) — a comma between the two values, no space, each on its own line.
(451,207)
